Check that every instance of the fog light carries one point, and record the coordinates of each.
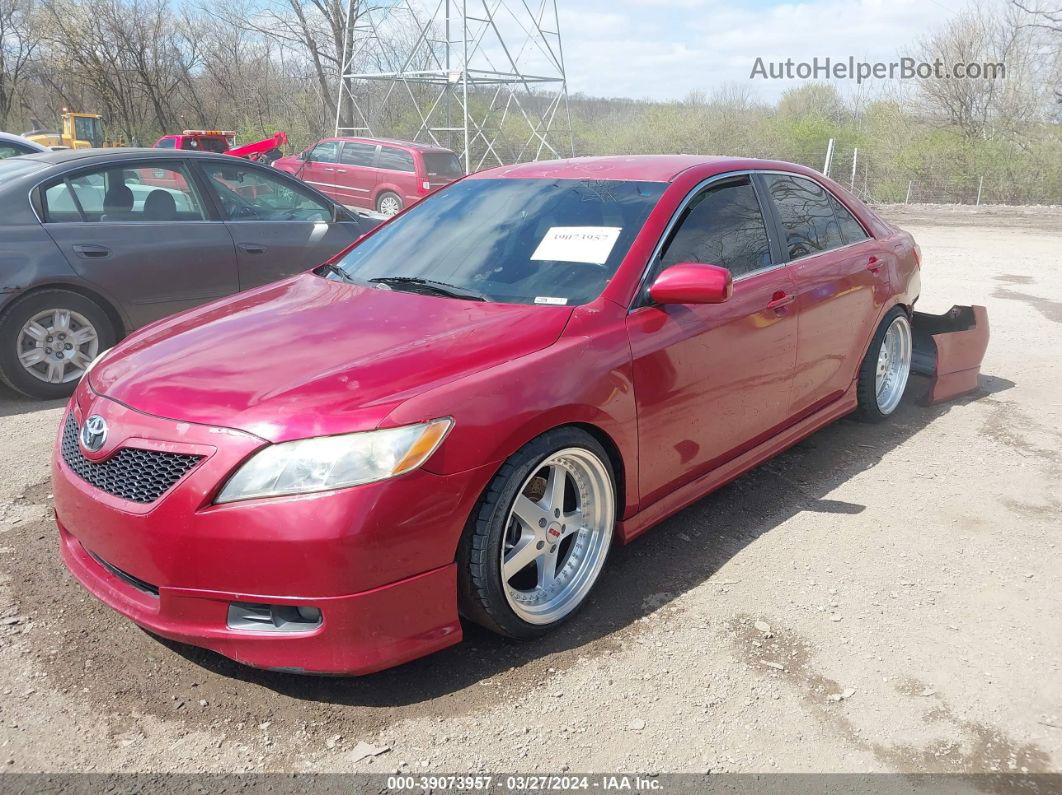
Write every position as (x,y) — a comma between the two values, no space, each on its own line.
(273,618)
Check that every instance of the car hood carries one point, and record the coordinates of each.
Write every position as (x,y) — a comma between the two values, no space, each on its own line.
(310,356)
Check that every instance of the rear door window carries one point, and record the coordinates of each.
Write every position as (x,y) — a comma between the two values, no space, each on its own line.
(394,159)
(138,193)
(806,212)
(357,154)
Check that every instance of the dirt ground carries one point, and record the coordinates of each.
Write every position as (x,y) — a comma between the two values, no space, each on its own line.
(883,598)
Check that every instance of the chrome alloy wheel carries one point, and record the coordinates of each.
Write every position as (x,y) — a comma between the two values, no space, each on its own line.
(894,364)
(557,536)
(57,345)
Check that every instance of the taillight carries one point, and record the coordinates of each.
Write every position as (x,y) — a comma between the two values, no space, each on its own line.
(425,185)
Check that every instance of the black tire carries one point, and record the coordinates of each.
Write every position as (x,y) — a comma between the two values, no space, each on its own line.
(388,195)
(481,595)
(866,388)
(12,371)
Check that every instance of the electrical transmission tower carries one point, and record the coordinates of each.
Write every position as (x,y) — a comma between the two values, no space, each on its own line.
(482,77)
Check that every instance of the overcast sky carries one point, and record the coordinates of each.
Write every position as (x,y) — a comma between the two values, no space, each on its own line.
(663,49)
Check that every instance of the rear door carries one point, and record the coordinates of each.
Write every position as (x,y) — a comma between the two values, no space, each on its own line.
(355,177)
(278,226)
(841,279)
(321,167)
(154,247)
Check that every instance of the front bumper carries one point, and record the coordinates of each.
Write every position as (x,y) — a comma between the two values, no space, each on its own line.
(359,634)
(378,560)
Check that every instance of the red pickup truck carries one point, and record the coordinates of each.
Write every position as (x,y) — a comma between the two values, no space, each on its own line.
(223,142)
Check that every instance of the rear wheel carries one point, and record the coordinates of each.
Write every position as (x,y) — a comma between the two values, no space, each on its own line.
(388,203)
(886,368)
(48,339)
(538,540)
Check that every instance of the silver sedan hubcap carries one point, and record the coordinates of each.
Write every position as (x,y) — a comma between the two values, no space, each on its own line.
(557,536)
(389,205)
(56,345)
(894,365)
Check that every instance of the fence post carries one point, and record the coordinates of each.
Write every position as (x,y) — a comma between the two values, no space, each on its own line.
(855,159)
(829,159)
(908,199)
(980,184)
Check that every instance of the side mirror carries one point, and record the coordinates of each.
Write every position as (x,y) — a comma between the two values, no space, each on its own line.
(306,156)
(692,283)
(339,213)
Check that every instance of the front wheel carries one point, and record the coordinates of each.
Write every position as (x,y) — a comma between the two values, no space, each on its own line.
(886,367)
(537,542)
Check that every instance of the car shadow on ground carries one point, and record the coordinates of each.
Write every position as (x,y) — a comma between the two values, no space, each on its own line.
(12,404)
(678,555)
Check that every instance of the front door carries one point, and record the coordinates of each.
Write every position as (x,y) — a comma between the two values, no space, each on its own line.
(140,231)
(711,381)
(319,169)
(278,227)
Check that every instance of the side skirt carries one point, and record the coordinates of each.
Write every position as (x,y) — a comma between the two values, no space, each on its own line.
(632,527)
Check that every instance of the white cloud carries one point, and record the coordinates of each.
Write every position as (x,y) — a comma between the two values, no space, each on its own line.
(660,49)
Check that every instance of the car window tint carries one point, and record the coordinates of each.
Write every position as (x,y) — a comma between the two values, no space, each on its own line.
(10,150)
(357,154)
(325,152)
(722,226)
(806,214)
(132,193)
(442,164)
(166,143)
(253,194)
(851,230)
(394,159)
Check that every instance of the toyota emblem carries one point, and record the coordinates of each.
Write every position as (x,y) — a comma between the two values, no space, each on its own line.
(94,433)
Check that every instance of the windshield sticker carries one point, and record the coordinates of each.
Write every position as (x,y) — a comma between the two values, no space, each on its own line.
(590,244)
(549,299)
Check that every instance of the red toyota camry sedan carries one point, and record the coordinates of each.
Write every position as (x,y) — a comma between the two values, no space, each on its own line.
(460,414)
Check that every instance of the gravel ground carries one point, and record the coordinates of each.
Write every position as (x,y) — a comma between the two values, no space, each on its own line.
(876,599)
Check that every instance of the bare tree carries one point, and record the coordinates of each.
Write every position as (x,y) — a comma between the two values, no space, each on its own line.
(18,43)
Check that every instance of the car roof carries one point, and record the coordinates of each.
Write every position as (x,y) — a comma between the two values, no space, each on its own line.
(641,168)
(4,136)
(391,142)
(64,156)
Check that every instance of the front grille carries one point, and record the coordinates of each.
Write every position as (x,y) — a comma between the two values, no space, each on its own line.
(131,473)
(124,576)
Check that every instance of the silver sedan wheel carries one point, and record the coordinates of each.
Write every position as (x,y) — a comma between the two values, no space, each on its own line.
(894,364)
(389,205)
(557,536)
(56,345)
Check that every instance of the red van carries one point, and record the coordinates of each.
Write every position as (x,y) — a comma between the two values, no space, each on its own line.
(375,173)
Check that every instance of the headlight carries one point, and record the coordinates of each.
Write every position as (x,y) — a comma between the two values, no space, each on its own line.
(334,462)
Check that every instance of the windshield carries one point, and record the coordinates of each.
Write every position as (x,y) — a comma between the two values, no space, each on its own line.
(521,241)
(88,128)
(442,164)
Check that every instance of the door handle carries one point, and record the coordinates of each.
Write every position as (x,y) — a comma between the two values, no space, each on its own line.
(252,248)
(780,299)
(874,265)
(341,171)
(91,251)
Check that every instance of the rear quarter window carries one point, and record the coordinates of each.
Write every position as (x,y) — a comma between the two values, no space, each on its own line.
(395,159)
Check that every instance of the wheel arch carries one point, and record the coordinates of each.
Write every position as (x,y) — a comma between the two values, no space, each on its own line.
(121,328)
